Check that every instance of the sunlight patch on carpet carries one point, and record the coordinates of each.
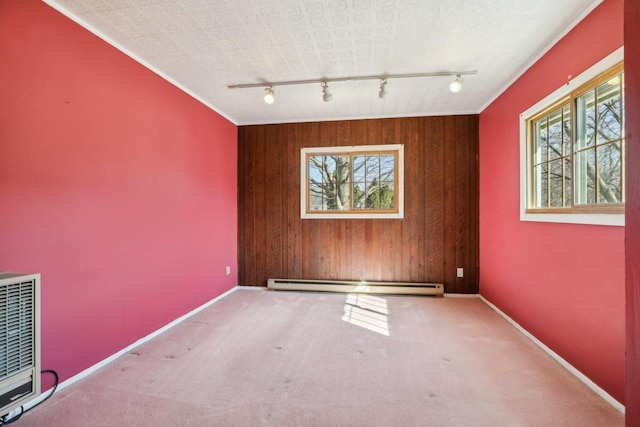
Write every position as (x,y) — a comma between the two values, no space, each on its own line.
(367,312)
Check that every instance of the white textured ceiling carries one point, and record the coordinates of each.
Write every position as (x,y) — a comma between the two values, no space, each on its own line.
(205,45)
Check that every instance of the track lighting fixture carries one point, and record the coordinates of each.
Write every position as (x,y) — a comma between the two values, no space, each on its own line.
(269,95)
(383,88)
(456,85)
(326,92)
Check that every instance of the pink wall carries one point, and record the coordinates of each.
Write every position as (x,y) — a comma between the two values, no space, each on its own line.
(115,185)
(632,97)
(563,283)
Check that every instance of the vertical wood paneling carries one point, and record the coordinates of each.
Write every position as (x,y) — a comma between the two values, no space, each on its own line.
(413,193)
(449,203)
(462,207)
(439,231)
(261,194)
(433,203)
(274,176)
(294,223)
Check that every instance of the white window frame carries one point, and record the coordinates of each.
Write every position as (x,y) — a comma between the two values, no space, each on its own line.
(614,219)
(399,194)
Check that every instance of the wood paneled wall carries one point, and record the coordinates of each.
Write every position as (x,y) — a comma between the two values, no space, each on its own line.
(438,233)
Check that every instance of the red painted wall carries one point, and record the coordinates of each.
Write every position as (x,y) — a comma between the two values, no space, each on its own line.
(632,97)
(564,283)
(119,188)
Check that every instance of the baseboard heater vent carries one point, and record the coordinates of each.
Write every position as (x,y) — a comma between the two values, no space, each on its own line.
(390,288)
(19,340)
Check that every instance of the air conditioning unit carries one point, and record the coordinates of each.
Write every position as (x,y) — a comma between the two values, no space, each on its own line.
(19,339)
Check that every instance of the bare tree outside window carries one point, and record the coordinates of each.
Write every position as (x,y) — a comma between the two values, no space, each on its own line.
(351,182)
(363,180)
(578,156)
(599,131)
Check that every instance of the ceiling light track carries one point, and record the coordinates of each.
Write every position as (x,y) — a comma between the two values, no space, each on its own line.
(354,78)
(269,96)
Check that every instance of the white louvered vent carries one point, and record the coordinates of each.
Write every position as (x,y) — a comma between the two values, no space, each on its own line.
(16,327)
(19,339)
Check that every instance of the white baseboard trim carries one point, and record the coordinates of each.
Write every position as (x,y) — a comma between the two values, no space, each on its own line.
(122,352)
(569,367)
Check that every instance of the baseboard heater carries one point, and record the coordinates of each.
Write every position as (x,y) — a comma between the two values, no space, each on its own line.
(347,286)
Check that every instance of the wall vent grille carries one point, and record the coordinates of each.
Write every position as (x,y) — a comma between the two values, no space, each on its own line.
(19,339)
(17,321)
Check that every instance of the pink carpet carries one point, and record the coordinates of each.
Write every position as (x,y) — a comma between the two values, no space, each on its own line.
(264,358)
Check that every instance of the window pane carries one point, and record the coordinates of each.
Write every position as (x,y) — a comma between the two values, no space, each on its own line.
(315,197)
(325,202)
(341,183)
(540,186)
(585,172)
(358,195)
(540,141)
(609,168)
(609,111)
(585,120)
(555,134)
(315,182)
(328,188)
(373,168)
(329,181)
(566,127)
(372,200)
(328,167)
(358,168)
(555,183)
(568,186)
(387,196)
(315,168)
(387,166)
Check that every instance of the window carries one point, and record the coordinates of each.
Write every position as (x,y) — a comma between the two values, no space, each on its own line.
(352,182)
(573,145)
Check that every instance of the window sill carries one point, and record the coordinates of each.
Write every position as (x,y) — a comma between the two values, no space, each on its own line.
(309,215)
(612,219)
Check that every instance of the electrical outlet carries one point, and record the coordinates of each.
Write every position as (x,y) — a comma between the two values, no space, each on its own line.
(227,270)
(460,272)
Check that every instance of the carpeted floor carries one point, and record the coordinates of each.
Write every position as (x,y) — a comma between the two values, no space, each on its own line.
(264,358)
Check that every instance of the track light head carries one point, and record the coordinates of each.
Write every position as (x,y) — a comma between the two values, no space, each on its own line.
(383,88)
(326,92)
(456,85)
(269,95)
